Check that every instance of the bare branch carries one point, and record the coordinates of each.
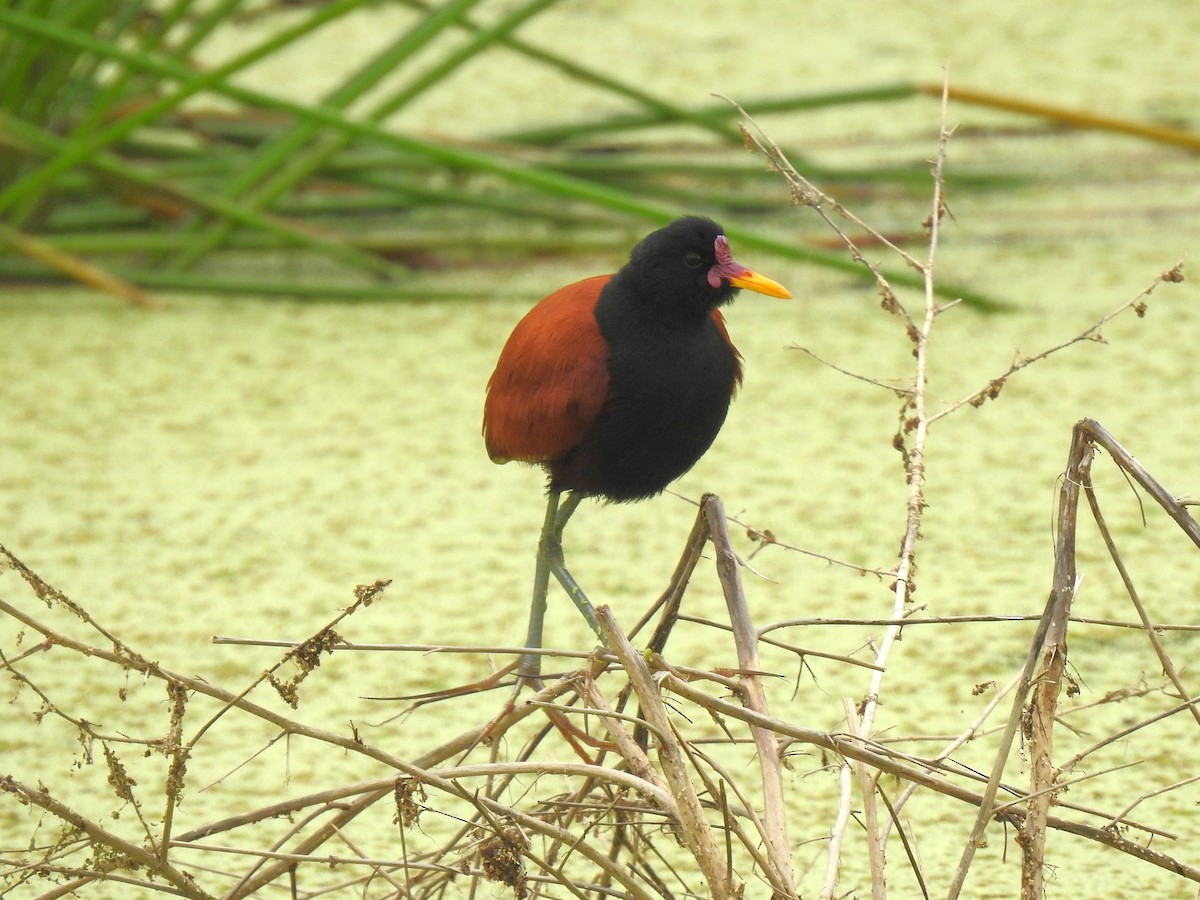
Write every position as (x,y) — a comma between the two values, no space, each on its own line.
(1137,303)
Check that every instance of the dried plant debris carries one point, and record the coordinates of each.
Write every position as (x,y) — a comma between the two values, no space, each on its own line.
(410,801)
(502,856)
(306,657)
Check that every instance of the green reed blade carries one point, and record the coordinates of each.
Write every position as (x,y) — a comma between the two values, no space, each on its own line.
(667,111)
(78,150)
(535,177)
(712,113)
(154,184)
(278,153)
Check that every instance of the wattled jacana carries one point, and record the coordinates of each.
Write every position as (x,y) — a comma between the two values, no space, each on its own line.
(618,384)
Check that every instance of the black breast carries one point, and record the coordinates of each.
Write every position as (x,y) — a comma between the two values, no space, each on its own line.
(669,391)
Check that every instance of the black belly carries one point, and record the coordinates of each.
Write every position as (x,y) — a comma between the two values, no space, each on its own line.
(668,396)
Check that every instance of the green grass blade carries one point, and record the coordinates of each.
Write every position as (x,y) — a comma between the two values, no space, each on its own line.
(121,86)
(662,110)
(277,154)
(201,28)
(537,178)
(201,283)
(151,182)
(304,166)
(484,38)
(713,113)
(79,150)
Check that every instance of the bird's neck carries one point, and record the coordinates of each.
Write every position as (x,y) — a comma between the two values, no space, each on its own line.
(638,304)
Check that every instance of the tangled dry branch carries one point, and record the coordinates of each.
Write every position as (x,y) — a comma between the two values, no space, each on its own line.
(630,776)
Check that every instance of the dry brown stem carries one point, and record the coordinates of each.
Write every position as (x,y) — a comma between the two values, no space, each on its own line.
(1052,659)
(694,825)
(746,641)
(327,816)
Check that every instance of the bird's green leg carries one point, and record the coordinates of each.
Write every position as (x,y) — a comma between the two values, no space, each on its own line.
(553,551)
(550,560)
(531,663)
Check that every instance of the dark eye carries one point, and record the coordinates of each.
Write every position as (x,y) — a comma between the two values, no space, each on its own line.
(692,260)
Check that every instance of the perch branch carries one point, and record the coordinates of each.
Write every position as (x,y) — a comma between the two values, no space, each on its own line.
(746,641)
(696,830)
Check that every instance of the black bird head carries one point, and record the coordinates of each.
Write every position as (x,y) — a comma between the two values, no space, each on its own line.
(688,266)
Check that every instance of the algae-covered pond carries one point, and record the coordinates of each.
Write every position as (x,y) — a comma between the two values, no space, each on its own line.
(236,467)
